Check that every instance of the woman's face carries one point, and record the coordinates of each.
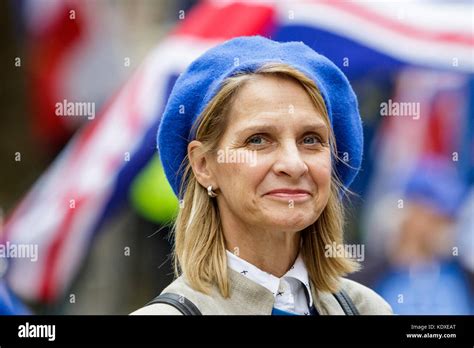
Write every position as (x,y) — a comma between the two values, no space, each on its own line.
(273,165)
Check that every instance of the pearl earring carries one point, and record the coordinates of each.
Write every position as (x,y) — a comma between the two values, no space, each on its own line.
(210,192)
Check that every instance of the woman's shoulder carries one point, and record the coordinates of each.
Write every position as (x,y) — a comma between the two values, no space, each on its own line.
(157,309)
(365,299)
(162,308)
(181,288)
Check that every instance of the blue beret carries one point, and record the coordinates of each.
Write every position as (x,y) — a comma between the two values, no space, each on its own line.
(195,88)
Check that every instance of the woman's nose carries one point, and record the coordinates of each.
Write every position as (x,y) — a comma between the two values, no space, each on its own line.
(289,161)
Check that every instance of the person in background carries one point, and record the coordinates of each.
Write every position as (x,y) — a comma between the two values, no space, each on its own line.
(422,273)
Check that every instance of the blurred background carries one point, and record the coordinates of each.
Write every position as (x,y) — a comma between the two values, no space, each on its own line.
(85,208)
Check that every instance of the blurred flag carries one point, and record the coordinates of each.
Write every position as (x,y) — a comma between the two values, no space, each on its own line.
(91,178)
(52,33)
(66,42)
(381,35)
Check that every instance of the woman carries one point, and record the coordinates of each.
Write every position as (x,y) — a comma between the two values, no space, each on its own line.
(259,140)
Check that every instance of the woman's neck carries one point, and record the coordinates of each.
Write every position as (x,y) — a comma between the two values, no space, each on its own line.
(270,251)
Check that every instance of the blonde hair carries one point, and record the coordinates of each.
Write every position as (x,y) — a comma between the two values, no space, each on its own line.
(200,251)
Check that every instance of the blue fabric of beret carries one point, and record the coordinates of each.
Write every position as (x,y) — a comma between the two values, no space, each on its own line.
(201,81)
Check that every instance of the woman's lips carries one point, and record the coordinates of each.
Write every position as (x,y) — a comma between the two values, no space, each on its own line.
(287,195)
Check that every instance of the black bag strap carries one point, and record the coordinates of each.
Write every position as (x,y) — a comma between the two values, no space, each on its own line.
(186,307)
(346,303)
(179,302)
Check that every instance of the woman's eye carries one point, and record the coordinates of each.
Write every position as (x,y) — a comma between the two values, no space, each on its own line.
(256,140)
(312,139)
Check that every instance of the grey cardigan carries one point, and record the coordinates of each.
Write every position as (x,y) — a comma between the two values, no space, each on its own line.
(250,298)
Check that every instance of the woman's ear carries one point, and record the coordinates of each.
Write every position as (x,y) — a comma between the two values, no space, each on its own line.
(200,164)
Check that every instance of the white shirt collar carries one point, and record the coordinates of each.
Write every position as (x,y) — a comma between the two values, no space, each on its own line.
(296,277)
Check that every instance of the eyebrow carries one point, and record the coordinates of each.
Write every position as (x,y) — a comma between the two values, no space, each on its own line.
(262,128)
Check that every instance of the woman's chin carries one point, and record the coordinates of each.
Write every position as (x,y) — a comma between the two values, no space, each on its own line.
(292,221)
